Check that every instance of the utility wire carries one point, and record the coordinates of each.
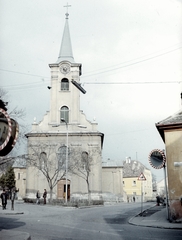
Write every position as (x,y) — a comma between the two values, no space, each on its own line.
(32,84)
(27,74)
(132,82)
(139,58)
(131,64)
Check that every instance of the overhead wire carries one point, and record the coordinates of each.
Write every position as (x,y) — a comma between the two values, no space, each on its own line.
(131,64)
(112,68)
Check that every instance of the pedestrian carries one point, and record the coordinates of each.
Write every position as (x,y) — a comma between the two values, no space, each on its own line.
(4,197)
(158,200)
(38,197)
(133,198)
(127,199)
(45,195)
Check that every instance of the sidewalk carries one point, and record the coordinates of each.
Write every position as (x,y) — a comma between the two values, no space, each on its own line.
(155,217)
(11,234)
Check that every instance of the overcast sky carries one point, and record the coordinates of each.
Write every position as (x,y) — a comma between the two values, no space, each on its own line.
(131,55)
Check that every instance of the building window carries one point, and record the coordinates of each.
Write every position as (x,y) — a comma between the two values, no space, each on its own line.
(18,176)
(64,84)
(85,162)
(64,113)
(61,157)
(134,183)
(43,161)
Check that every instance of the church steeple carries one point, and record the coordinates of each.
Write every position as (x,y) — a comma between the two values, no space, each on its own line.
(65,53)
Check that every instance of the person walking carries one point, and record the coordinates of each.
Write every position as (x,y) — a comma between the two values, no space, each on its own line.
(38,197)
(133,198)
(158,200)
(4,199)
(45,195)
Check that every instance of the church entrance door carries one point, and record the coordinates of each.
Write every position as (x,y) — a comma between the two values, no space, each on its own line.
(61,189)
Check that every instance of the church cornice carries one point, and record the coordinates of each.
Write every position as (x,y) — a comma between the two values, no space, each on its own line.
(57,65)
(58,133)
(63,62)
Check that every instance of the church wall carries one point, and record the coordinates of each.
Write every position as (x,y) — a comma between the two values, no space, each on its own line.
(112,183)
(36,180)
(61,98)
(78,184)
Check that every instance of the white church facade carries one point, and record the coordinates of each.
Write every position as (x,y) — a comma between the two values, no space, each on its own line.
(64,128)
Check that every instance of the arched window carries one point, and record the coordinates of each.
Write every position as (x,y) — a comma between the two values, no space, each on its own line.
(64,113)
(64,84)
(43,160)
(85,161)
(61,157)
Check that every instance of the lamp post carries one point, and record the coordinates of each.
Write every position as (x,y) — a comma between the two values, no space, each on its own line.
(66,197)
(57,125)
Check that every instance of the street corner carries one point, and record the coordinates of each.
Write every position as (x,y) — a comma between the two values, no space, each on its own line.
(14,235)
(9,212)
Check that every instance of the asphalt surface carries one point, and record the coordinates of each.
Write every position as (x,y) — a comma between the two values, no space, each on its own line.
(155,217)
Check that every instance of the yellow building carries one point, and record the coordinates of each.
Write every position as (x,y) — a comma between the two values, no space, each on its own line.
(170,130)
(137,181)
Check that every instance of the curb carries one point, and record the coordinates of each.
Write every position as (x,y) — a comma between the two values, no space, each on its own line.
(9,213)
(14,235)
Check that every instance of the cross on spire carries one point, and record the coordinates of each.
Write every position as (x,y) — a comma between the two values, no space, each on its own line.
(67,14)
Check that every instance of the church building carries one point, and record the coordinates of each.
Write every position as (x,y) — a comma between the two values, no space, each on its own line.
(64,135)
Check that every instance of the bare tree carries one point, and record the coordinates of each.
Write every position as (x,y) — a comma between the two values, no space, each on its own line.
(82,163)
(49,160)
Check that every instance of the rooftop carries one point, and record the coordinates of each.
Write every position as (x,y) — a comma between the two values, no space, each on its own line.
(132,168)
(172,122)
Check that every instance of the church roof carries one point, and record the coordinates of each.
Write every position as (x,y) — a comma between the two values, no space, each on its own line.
(65,53)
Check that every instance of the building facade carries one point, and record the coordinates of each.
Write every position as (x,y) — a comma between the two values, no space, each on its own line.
(64,128)
(137,181)
(19,167)
(112,182)
(170,130)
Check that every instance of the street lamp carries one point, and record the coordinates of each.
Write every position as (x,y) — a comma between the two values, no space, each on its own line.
(80,126)
(66,197)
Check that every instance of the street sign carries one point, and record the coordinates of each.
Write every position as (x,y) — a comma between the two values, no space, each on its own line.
(141,177)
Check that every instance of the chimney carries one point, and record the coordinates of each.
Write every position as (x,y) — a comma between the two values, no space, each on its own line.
(128,159)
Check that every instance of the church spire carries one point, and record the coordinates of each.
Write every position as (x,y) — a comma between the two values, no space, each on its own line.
(65,53)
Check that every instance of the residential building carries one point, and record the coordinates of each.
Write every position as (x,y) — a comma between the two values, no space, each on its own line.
(19,167)
(137,181)
(161,191)
(170,130)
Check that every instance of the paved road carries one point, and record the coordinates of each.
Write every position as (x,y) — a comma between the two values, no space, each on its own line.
(103,223)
